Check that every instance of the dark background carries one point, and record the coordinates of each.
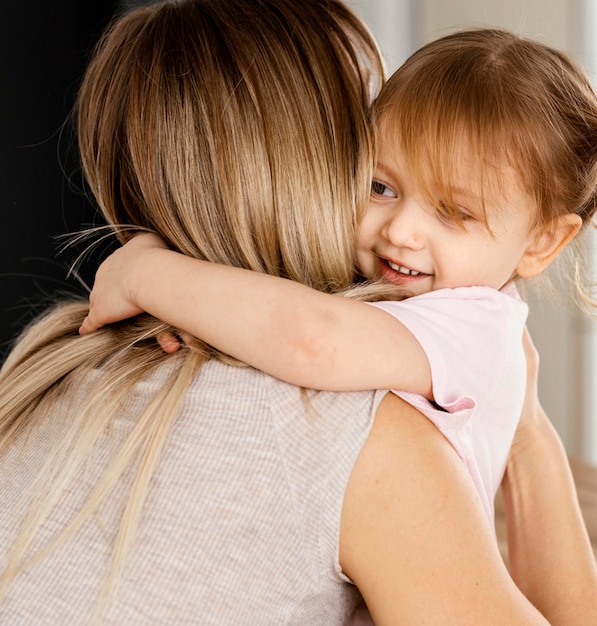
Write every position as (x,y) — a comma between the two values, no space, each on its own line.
(44,47)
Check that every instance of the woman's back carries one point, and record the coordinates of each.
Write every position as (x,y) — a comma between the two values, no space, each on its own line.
(242,517)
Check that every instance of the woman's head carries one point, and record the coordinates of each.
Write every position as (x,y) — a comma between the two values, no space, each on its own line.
(236,130)
(489,111)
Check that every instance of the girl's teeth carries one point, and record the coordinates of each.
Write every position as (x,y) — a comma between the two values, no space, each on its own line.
(403,270)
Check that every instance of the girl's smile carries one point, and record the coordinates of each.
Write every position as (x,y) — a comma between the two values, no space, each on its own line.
(400,274)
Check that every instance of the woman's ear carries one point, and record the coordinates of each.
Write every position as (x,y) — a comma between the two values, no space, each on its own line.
(547,245)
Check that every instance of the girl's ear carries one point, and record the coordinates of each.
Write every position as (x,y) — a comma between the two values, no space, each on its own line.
(548,244)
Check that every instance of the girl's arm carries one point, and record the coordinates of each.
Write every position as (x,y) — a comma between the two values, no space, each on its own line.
(281,327)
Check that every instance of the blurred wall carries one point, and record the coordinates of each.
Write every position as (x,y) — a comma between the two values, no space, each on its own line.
(549,19)
(395,26)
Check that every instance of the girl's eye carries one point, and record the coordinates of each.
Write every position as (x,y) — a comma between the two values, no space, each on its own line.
(379,189)
(454,215)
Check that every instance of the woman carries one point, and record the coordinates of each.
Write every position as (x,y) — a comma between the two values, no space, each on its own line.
(140,487)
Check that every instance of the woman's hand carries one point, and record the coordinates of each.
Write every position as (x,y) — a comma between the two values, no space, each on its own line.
(112,297)
(532,414)
(549,552)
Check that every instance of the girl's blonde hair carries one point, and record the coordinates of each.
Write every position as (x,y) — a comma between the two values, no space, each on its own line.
(492,99)
(237,130)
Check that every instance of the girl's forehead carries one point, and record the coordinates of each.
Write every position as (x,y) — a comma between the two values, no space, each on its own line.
(455,171)
(458,155)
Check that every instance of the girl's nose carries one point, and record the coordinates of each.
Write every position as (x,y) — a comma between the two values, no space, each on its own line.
(406,227)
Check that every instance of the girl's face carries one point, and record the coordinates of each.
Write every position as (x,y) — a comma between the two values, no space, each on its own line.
(405,240)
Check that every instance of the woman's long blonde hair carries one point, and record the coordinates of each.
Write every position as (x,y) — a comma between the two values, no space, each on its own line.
(238,131)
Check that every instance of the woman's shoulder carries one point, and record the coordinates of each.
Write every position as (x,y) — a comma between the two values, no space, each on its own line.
(252,391)
(412,525)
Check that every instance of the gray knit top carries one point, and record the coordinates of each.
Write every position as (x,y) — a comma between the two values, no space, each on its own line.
(242,520)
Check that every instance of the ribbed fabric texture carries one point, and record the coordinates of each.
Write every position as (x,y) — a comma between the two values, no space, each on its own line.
(242,521)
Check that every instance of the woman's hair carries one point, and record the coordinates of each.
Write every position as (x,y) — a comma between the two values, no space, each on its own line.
(488,99)
(238,131)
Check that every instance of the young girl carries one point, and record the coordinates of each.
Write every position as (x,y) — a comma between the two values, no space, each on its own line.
(486,169)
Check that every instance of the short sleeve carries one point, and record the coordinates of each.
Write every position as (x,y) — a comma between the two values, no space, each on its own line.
(472,337)
(465,333)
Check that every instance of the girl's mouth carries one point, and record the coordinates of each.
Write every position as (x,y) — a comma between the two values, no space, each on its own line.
(400,274)
(403,270)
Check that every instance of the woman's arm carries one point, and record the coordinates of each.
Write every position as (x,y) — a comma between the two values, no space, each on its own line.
(416,542)
(286,329)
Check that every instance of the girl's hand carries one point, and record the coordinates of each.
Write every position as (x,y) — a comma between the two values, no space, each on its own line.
(169,342)
(112,298)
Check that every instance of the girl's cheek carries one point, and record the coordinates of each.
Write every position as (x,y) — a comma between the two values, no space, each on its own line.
(365,233)
(372,224)
(366,263)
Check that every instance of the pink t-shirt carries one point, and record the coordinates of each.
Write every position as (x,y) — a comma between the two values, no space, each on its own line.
(472,337)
